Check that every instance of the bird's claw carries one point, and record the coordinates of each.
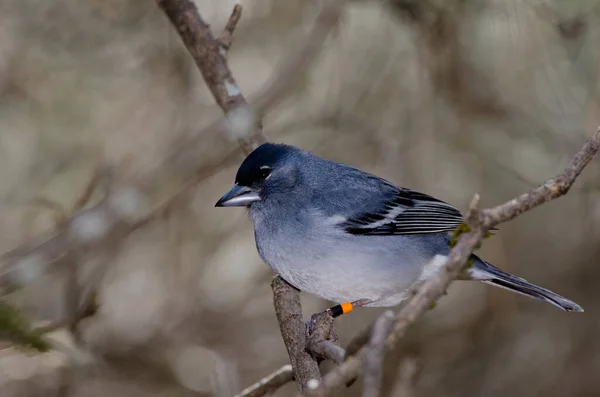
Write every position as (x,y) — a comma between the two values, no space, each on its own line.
(322,322)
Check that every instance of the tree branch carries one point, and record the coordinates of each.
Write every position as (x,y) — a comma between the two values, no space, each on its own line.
(227,36)
(211,61)
(269,384)
(289,314)
(406,376)
(373,368)
(326,349)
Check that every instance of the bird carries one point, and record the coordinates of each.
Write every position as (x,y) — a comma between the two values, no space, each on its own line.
(351,237)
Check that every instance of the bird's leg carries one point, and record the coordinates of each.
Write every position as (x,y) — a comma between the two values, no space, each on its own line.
(321,323)
(338,310)
(334,311)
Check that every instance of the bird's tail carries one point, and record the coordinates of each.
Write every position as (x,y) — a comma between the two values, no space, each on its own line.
(489,274)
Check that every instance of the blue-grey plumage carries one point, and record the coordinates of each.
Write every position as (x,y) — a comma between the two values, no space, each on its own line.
(345,235)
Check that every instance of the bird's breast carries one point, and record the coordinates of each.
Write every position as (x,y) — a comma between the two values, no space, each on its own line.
(336,266)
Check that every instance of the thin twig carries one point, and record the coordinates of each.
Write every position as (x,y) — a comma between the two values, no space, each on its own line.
(227,35)
(58,212)
(201,174)
(406,376)
(373,367)
(56,325)
(360,339)
(269,383)
(327,349)
(90,188)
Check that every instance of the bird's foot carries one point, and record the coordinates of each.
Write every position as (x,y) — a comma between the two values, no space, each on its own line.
(321,323)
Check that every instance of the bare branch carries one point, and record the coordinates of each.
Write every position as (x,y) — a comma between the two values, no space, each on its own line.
(212,63)
(40,332)
(58,212)
(408,370)
(269,384)
(373,368)
(327,349)
(360,339)
(101,173)
(289,314)
(234,18)
(201,174)
(550,190)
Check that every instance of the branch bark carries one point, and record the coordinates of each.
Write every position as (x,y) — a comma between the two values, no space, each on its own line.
(269,384)
(289,315)
(326,349)
(211,61)
(405,379)
(373,368)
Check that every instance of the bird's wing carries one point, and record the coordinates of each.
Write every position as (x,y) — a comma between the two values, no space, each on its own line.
(405,212)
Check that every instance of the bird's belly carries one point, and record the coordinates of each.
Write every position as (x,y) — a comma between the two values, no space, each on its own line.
(339,271)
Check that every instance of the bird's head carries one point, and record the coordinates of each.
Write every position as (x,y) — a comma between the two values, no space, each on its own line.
(270,169)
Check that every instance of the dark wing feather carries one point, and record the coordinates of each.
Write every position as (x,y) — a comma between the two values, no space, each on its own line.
(406,212)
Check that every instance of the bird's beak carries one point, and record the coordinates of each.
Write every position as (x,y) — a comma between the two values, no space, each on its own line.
(238,196)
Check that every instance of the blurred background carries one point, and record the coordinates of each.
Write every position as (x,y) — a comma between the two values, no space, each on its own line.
(446,97)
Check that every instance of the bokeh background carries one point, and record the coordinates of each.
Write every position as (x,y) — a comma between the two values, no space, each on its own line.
(487,96)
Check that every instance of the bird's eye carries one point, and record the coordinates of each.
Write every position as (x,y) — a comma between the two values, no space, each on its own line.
(264,172)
